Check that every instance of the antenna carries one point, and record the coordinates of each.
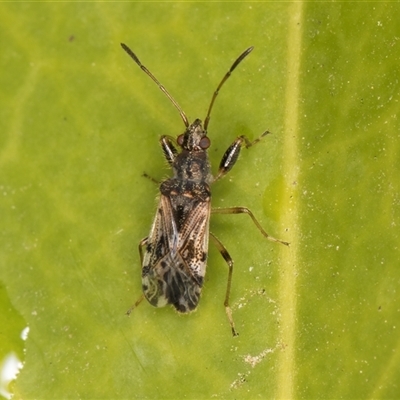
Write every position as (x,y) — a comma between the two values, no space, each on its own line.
(224,79)
(162,88)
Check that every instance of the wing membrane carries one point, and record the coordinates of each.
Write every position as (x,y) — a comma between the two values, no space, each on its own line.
(174,263)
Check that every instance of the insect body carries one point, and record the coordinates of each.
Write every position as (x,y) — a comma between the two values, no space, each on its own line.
(175,257)
(174,262)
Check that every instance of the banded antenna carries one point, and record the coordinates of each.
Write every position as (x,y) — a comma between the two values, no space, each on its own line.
(173,101)
(224,79)
(162,88)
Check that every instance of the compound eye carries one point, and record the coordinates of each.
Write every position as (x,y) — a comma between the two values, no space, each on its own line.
(205,143)
(180,139)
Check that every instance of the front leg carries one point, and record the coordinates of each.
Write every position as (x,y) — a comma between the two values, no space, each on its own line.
(170,151)
(232,153)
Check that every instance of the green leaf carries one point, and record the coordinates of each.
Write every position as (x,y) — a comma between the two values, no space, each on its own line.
(80,124)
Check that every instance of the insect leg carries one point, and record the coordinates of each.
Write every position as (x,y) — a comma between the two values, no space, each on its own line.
(142,243)
(170,152)
(137,302)
(232,153)
(229,261)
(146,175)
(245,210)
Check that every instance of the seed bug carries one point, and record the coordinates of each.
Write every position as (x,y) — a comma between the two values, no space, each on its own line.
(175,257)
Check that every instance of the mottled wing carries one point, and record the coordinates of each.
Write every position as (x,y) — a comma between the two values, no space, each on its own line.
(174,262)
